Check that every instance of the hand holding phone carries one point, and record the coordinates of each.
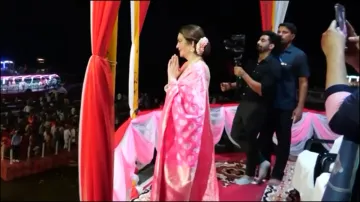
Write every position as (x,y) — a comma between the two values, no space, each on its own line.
(340,18)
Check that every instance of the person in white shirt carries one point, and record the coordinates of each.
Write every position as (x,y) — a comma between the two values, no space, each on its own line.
(73,111)
(27,108)
(73,134)
(67,136)
(60,114)
(53,129)
(47,137)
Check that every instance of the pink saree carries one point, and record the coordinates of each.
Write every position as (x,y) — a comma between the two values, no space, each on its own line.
(185,166)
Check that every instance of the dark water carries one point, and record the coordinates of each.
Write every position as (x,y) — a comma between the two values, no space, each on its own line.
(60,184)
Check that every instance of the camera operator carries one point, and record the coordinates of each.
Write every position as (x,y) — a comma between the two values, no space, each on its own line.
(342,111)
(286,109)
(258,87)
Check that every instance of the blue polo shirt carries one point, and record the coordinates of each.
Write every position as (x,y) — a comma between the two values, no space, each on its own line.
(294,64)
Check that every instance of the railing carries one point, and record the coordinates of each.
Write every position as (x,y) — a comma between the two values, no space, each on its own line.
(31,152)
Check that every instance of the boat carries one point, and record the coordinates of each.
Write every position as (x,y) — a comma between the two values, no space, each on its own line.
(13,82)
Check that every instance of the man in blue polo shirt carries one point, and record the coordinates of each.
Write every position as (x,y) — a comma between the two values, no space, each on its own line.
(287,109)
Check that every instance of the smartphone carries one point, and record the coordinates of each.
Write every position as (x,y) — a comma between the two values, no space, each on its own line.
(340,18)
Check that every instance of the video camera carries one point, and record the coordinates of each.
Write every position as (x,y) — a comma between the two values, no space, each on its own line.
(236,46)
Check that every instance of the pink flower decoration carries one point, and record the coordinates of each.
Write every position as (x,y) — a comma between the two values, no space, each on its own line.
(200,46)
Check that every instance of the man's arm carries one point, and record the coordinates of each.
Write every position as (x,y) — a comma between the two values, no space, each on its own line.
(303,89)
(335,69)
(240,78)
(254,85)
(303,73)
(337,88)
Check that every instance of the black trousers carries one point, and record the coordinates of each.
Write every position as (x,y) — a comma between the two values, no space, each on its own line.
(280,122)
(248,121)
(16,152)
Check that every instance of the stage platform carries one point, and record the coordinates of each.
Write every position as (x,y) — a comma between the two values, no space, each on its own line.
(35,165)
(230,166)
(136,140)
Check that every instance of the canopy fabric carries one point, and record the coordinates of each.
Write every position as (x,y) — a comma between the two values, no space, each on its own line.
(96,128)
(272,14)
(138,10)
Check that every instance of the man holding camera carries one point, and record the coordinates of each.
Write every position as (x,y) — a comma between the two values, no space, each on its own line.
(258,86)
(286,109)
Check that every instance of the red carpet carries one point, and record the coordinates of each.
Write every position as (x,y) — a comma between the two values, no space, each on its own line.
(241,192)
(235,192)
(229,166)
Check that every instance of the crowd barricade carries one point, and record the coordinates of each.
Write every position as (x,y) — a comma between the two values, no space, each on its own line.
(38,158)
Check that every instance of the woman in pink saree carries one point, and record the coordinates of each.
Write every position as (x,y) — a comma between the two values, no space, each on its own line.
(185,166)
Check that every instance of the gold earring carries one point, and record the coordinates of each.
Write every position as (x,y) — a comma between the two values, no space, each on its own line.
(192,50)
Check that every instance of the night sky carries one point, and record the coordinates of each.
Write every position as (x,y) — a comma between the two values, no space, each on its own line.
(59,31)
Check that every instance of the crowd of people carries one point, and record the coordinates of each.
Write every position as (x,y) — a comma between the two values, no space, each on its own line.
(51,120)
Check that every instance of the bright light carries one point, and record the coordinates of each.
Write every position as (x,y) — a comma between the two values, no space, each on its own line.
(7,62)
(40,60)
(353,77)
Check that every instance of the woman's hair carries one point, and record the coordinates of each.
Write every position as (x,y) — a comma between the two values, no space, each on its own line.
(193,33)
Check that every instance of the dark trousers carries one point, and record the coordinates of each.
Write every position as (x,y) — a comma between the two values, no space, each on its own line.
(16,151)
(280,122)
(247,123)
